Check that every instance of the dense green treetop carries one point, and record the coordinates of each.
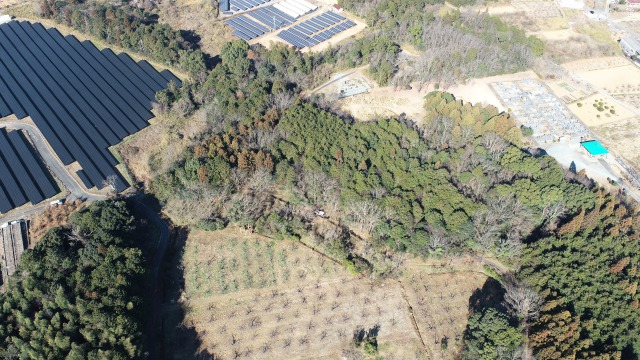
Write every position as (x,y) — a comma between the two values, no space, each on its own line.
(77,294)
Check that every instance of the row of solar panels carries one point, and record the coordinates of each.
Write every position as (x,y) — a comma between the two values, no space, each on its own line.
(83,100)
(308,34)
(23,177)
(319,23)
(239,5)
(248,29)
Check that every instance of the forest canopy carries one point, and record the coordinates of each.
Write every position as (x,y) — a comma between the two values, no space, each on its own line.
(77,293)
(456,182)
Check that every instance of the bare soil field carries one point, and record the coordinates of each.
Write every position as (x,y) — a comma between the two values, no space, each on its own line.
(604,62)
(388,101)
(622,137)
(615,79)
(538,8)
(247,296)
(598,110)
(569,91)
(440,303)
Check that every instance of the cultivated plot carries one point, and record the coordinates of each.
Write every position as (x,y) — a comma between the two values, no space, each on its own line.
(440,305)
(251,297)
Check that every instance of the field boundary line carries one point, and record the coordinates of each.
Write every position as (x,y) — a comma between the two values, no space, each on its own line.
(411,316)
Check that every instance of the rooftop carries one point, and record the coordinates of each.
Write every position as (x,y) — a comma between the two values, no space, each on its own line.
(631,42)
(594,147)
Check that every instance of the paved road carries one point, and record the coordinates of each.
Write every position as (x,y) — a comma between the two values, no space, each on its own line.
(54,165)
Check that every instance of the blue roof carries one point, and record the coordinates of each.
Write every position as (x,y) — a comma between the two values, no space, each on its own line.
(594,147)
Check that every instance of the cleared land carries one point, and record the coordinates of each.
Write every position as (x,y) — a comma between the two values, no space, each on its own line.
(623,138)
(389,101)
(247,296)
(199,18)
(440,303)
(598,110)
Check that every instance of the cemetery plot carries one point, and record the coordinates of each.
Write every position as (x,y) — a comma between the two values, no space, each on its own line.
(536,107)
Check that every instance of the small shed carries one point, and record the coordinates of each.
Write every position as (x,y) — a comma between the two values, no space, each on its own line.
(594,148)
(337,8)
(224,5)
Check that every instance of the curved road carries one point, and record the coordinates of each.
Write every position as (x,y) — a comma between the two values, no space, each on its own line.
(58,169)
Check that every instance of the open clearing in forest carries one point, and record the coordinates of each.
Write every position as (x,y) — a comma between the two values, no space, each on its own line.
(199,16)
(247,296)
(384,101)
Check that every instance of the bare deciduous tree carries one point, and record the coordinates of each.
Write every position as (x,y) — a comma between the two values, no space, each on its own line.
(366,214)
(522,301)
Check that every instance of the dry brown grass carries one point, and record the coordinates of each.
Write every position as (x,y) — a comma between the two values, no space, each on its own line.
(154,149)
(247,296)
(200,16)
(440,303)
(251,297)
(622,138)
(52,216)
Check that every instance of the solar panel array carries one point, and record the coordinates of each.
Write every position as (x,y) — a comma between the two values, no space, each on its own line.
(245,28)
(316,30)
(82,99)
(23,177)
(241,5)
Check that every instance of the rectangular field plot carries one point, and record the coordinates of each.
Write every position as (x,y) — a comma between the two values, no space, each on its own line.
(82,99)
(316,30)
(23,177)
(250,297)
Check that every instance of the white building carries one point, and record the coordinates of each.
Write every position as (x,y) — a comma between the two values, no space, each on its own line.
(630,46)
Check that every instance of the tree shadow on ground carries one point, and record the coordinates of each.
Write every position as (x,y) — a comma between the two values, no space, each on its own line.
(178,340)
(490,295)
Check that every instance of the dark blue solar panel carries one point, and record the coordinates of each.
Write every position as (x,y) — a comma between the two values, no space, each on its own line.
(250,24)
(4,108)
(241,35)
(68,68)
(241,4)
(85,180)
(10,184)
(27,184)
(82,100)
(284,17)
(33,164)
